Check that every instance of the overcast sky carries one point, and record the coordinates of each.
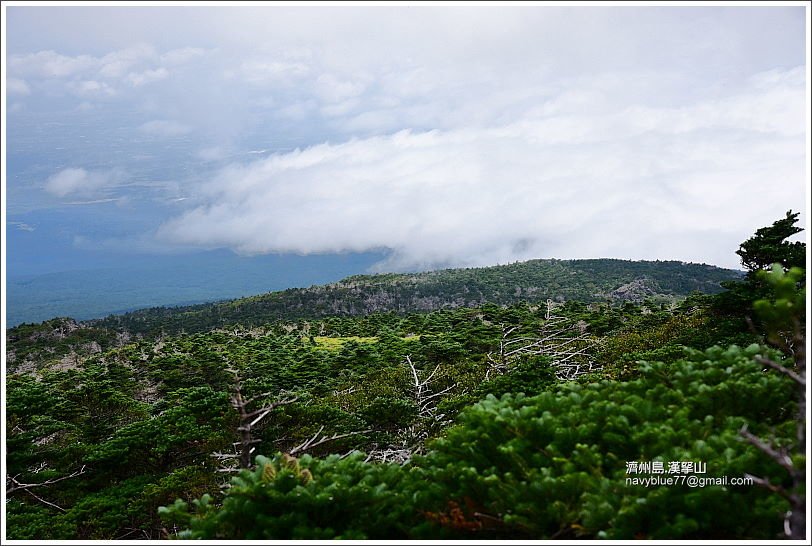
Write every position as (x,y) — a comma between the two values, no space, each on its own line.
(444,136)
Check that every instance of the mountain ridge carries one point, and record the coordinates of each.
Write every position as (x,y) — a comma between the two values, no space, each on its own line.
(592,280)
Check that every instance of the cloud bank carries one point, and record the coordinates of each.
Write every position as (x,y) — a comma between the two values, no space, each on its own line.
(636,182)
(105,75)
(449,136)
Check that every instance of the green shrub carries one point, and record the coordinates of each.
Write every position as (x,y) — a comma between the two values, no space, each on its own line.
(548,466)
(306,498)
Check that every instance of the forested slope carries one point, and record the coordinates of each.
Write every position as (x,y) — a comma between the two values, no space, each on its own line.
(533,281)
(489,421)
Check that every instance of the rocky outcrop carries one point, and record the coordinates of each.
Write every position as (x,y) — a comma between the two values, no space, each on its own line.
(636,290)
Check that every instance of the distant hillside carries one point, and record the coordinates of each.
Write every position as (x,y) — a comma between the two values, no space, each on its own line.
(533,281)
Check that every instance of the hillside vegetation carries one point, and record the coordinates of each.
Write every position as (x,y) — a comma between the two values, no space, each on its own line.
(494,417)
(534,281)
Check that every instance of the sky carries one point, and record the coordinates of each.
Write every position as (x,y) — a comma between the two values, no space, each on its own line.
(435,136)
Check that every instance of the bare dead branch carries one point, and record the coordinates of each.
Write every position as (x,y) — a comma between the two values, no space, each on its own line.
(313,442)
(414,370)
(780,456)
(44,501)
(257,397)
(431,375)
(17,486)
(783,369)
(440,393)
(249,419)
(765,483)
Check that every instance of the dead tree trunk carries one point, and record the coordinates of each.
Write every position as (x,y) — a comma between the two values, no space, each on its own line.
(795,519)
(248,420)
(568,346)
(411,438)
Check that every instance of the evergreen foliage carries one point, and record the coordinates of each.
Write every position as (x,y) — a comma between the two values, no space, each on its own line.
(549,466)
(533,281)
(105,426)
(769,246)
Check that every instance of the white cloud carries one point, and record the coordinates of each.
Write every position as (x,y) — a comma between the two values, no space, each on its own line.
(182,55)
(49,64)
(118,63)
(147,76)
(15,86)
(92,89)
(270,72)
(164,128)
(331,89)
(641,183)
(78,181)
(212,153)
(96,201)
(86,74)
(22,226)
(544,119)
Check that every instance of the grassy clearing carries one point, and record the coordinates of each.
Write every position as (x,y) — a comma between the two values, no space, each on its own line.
(335,343)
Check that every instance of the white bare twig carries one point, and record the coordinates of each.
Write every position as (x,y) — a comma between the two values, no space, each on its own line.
(316,441)
(17,486)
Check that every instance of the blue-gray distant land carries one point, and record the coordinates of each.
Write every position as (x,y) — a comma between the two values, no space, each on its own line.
(167,281)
